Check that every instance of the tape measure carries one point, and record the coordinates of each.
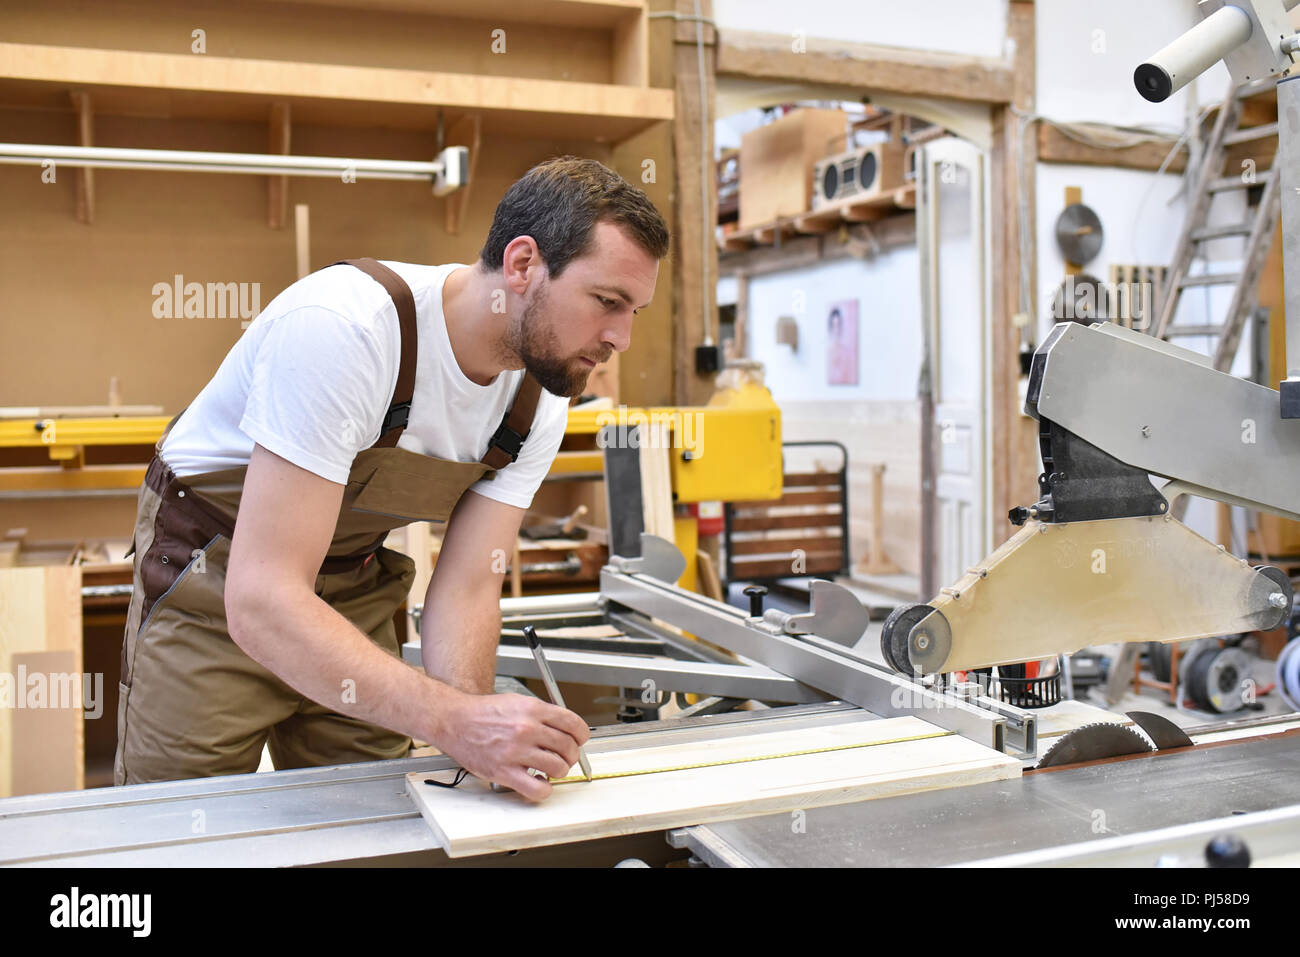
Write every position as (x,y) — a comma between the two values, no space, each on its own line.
(762,757)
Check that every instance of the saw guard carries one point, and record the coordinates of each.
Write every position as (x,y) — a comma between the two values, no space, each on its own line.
(1055,588)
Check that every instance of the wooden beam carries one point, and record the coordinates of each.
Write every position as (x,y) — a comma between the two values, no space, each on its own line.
(578,13)
(695,211)
(741,346)
(646,160)
(466,131)
(1015,457)
(746,53)
(85,175)
(1055,147)
(277,187)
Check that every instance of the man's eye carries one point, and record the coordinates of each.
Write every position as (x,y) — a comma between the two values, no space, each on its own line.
(607,303)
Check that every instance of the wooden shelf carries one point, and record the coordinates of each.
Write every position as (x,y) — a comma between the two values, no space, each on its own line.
(820,221)
(172,85)
(578,13)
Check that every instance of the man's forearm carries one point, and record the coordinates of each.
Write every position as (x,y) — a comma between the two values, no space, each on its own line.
(320,654)
(458,639)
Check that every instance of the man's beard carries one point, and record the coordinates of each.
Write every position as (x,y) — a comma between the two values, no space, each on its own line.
(537,345)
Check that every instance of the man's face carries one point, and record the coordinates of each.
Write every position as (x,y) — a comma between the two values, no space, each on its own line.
(571,324)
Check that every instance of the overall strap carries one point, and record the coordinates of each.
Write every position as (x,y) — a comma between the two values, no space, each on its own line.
(504,446)
(399,409)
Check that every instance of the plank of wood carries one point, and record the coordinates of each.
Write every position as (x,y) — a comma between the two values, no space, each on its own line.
(799,479)
(1055,147)
(777,546)
(761,523)
(472,819)
(709,583)
(863,66)
(467,131)
(619,110)
(656,479)
(77,411)
(40,612)
(47,741)
(277,187)
(85,137)
(302,237)
(745,569)
(795,498)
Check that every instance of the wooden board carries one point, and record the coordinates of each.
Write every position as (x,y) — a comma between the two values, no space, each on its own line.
(40,630)
(473,819)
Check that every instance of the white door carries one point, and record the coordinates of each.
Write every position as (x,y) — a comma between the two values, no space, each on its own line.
(954,240)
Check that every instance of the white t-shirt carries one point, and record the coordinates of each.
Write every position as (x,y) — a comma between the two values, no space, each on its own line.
(313,375)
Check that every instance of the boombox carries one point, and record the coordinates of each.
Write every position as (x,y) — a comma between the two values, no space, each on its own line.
(862,173)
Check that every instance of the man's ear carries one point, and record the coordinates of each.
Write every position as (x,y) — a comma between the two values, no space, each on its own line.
(521,264)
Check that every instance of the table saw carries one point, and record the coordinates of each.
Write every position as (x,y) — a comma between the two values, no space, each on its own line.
(802,675)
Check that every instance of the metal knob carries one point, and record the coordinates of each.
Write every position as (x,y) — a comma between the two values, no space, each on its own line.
(1227,850)
(755,593)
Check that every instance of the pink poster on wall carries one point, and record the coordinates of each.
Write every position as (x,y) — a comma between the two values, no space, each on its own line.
(842,343)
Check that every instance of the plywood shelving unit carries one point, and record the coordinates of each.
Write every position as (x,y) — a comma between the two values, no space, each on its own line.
(517,82)
(155,70)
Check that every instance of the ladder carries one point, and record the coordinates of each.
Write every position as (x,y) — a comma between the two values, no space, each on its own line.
(1258,227)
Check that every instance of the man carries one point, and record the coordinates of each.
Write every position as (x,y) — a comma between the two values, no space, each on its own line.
(263,602)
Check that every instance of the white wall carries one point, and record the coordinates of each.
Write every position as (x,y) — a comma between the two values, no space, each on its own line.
(1087,52)
(1141,215)
(1086,55)
(973,27)
(878,420)
(889,326)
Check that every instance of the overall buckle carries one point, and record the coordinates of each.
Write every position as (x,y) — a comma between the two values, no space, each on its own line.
(397,417)
(507,440)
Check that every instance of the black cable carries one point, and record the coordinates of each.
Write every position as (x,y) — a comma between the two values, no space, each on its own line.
(461,773)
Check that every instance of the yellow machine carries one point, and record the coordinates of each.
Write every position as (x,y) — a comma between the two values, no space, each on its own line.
(728,450)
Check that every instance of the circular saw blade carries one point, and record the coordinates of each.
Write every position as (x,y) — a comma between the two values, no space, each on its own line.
(1078,233)
(1094,742)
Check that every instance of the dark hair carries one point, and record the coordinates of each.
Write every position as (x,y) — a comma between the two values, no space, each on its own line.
(558,203)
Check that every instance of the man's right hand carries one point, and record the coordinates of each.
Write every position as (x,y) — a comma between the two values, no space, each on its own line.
(498,737)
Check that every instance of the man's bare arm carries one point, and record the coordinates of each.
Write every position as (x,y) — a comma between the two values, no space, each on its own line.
(286,520)
(461,623)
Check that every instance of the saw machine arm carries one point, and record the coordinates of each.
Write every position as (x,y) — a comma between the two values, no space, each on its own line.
(1099,558)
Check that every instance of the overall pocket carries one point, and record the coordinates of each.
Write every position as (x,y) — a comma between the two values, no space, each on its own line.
(199,588)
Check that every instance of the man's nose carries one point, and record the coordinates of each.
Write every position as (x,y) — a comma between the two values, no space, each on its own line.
(618,335)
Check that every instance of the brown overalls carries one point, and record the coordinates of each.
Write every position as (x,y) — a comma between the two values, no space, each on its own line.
(191,702)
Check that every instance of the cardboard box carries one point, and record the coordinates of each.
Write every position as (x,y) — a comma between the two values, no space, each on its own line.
(776,163)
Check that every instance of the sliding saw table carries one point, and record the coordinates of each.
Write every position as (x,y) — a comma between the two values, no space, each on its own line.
(808,679)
